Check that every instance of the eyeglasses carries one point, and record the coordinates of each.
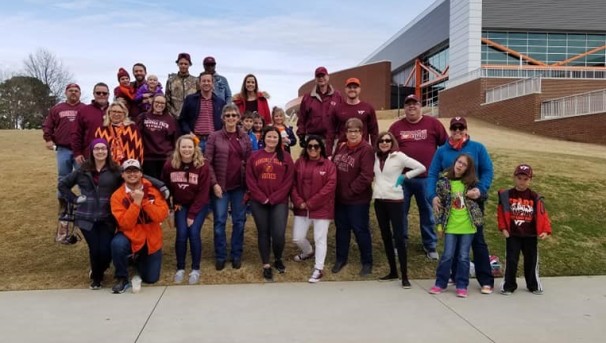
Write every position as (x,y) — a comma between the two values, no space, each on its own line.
(313,146)
(101,148)
(387,140)
(457,127)
(102,93)
(353,131)
(231,115)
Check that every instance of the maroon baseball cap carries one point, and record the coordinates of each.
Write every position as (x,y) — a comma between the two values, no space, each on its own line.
(72,85)
(184,55)
(458,120)
(412,97)
(523,169)
(209,60)
(321,71)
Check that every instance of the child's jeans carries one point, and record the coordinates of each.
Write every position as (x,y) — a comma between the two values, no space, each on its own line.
(451,243)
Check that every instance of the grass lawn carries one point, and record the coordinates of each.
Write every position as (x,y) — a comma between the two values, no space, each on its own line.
(571,176)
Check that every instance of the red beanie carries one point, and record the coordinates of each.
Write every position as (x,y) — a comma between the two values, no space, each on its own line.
(122,72)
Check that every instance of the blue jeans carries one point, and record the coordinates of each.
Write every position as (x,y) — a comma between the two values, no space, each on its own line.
(481,259)
(65,163)
(416,187)
(354,218)
(192,233)
(238,219)
(148,266)
(452,243)
(202,144)
(99,239)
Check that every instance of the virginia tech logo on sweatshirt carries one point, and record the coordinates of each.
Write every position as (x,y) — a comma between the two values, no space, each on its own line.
(415,135)
(522,210)
(183,177)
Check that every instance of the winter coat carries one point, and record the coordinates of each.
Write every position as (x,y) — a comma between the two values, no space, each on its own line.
(320,196)
(178,87)
(191,110)
(217,154)
(384,186)
(443,191)
(314,110)
(262,105)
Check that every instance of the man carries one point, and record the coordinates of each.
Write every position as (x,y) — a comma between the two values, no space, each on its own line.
(418,137)
(57,129)
(201,112)
(139,209)
(459,143)
(352,107)
(88,119)
(180,85)
(221,86)
(316,106)
(139,73)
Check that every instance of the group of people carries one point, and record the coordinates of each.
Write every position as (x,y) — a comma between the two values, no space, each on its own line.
(231,155)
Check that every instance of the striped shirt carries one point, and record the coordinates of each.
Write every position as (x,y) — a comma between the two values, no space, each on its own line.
(204,124)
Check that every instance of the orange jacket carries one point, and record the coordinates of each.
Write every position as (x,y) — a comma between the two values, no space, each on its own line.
(140,224)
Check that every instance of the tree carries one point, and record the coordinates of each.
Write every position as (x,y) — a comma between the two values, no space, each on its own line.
(46,67)
(24,101)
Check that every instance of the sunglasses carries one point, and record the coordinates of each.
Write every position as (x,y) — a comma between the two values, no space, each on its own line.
(387,140)
(230,115)
(457,127)
(101,93)
(313,146)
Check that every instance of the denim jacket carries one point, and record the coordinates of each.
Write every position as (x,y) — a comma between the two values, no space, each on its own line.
(221,88)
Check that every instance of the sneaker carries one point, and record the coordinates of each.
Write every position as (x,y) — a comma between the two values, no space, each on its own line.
(280,266)
(268,274)
(302,257)
(236,263)
(121,285)
(179,275)
(316,276)
(451,282)
(219,264)
(338,266)
(486,290)
(461,292)
(95,285)
(406,284)
(136,283)
(194,277)
(504,292)
(366,270)
(436,290)
(389,277)
(432,254)
(537,292)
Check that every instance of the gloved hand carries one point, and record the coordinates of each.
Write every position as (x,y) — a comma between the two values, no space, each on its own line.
(400,180)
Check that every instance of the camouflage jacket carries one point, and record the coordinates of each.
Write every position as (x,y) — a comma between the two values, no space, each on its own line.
(177,88)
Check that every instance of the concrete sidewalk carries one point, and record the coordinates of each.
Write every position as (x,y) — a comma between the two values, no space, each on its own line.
(572,309)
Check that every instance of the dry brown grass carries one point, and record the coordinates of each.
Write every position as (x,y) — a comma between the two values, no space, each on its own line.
(31,260)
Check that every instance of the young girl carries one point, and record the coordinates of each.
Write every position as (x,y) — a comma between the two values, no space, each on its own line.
(257,129)
(288,136)
(458,218)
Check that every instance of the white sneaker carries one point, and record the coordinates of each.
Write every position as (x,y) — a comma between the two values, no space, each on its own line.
(136,283)
(179,275)
(194,277)
(316,276)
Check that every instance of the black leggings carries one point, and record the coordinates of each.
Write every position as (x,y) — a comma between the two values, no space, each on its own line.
(271,227)
(391,212)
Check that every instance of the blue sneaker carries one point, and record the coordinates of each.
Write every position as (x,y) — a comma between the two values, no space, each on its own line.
(121,286)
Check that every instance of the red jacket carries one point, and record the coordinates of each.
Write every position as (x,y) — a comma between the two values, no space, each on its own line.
(355,171)
(319,195)
(541,217)
(269,180)
(314,111)
(262,105)
(59,123)
(88,120)
(217,154)
(140,224)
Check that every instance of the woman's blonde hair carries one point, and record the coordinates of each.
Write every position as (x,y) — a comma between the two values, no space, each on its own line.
(198,158)
(118,103)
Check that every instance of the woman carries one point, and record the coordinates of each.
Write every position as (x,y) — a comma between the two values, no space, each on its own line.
(251,99)
(313,198)
(354,160)
(188,178)
(269,177)
(121,134)
(227,151)
(390,162)
(159,132)
(97,178)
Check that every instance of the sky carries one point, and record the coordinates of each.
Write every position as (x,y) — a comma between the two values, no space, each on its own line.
(279,41)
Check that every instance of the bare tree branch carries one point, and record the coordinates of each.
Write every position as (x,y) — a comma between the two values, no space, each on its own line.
(46,67)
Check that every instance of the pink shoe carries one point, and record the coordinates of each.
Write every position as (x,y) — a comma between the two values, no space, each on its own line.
(436,290)
(461,292)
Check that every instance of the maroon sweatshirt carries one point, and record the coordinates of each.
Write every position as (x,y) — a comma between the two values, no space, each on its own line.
(354,173)
(188,185)
(269,180)
(344,111)
(88,120)
(59,123)
(159,134)
(315,184)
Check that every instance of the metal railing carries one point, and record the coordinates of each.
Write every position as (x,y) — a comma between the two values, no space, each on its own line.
(574,105)
(513,89)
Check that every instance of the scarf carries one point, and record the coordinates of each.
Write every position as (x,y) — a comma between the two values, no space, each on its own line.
(458,145)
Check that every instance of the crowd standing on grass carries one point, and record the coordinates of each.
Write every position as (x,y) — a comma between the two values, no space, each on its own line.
(192,147)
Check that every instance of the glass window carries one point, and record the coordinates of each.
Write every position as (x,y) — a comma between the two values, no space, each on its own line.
(556,49)
(556,42)
(518,35)
(537,49)
(577,37)
(561,36)
(541,36)
(576,51)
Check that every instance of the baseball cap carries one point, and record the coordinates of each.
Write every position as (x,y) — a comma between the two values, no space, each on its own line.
(459,121)
(131,163)
(209,60)
(353,80)
(411,97)
(184,55)
(72,85)
(523,169)
(321,71)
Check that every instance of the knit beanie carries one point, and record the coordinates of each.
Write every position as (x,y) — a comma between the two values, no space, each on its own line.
(122,72)
(97,141)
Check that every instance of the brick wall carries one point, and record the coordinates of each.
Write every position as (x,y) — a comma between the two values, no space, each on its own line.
(520,113)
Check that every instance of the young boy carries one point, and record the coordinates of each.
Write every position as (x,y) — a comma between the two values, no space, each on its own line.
(247,125)
(522,218)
